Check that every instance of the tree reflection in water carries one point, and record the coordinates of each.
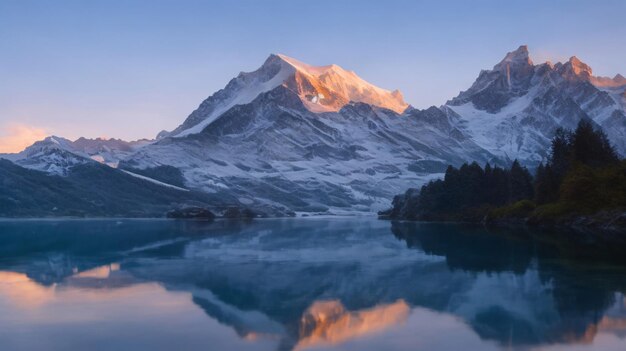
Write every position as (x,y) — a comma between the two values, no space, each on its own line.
(300,284)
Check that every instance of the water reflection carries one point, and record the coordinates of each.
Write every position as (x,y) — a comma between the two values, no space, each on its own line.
(329,323)
(305,284)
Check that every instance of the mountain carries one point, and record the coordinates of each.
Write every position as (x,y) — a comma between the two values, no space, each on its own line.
(91,189)
(309,138)
(514,109)
(320,138)
(57,155)
(321,89)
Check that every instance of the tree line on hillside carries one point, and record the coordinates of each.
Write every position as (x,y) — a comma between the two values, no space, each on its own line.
(582,175)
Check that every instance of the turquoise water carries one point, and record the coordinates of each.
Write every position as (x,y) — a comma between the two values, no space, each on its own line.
(304,284)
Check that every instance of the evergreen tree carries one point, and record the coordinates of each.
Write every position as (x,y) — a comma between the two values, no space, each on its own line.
(546,187)
(560,154)
(520,183)
(591,147)
(582,172)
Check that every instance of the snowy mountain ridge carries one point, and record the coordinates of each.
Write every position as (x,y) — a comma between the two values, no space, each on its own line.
(319,138)
(321,89)
(57,155)
(513,110)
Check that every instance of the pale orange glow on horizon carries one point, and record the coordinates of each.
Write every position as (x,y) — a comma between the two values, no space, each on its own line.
(22,291)
(15,137)
(26,294)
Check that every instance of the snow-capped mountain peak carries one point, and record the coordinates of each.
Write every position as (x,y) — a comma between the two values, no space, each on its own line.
(342,85)
(319,138)
(574,69)
(56,155)
(513,110)
(520,56)
(52,142)
(320,88)
(579,67)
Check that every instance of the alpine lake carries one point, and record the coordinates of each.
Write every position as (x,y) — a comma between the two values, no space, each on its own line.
(354,283)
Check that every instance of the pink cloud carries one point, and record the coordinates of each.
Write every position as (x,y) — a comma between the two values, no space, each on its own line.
(15,137)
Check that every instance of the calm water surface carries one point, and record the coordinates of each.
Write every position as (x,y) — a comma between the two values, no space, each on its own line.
(302,284)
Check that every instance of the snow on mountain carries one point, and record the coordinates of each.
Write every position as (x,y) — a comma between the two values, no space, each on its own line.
(317,139)
(321,89)
(329,88)
(56,155)
(108,151)
(606,82)
(279,149)
(513,110)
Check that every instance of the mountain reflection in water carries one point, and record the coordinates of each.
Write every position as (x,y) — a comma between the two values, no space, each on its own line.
(304,284)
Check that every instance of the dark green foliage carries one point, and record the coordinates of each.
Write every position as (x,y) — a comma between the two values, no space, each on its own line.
(574,155)
(560,154)
(520,183)
(591,147)
(583,175)
(546,185)
(466,193)
(520,209)
(592,189)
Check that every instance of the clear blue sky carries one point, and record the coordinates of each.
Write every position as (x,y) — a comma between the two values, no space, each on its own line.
(132,68)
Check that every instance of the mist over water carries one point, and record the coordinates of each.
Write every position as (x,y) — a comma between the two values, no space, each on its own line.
(303,284)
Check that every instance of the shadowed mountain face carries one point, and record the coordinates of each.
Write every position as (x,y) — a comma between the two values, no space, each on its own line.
(56,155)
(513,109)
(310,138)
(329,283)
(276,150)
(321,139)
(92,190)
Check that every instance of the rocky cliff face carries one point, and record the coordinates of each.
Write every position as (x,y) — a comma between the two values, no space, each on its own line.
(313,139)
(514,109)
(319,138)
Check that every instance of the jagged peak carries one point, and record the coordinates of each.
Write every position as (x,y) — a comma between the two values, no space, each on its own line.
(579,67)
(519,56)
(310,69)
(56,140)
(51,142)
(335,79)
(321,89)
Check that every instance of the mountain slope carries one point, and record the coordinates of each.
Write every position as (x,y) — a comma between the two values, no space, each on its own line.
(321,89)
(318,139)
(90,189)
(288,148)
(514,109)
(57,155)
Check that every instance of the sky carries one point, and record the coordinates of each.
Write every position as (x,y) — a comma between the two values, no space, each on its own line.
(129,69)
